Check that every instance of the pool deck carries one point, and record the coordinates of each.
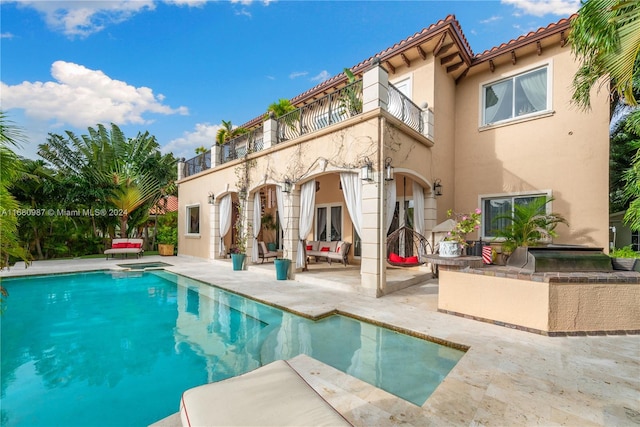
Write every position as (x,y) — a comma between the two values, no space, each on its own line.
(507,377)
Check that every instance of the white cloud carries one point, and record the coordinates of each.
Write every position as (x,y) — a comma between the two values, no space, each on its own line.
(322,76)
(185,146)
(491,19)
(6,36)
(83,18)
(545,7)
(82,97)
(297,74)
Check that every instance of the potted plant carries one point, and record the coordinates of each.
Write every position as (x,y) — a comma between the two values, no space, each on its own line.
(167,236)
(528,225)
(625,259)
(456,239)
(239,251)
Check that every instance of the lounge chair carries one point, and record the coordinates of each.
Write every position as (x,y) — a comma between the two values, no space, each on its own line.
(272,395)
(264,253)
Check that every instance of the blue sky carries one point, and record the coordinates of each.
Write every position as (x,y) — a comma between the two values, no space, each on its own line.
(177,68)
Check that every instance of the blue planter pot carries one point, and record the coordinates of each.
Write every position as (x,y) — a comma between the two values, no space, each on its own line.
(238,261)
(282,268)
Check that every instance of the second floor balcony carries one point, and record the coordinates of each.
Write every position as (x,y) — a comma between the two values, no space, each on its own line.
(328,110)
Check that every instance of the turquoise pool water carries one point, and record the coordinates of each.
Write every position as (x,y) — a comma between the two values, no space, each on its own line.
(118,349)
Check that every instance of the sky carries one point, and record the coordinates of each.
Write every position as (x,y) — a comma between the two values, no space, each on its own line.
(177,68)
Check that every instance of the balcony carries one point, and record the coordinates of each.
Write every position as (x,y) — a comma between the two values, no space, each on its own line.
(335,107)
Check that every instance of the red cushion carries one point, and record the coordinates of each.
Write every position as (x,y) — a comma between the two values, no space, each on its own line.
(119,245)
(309,247)
(338,248)
(393,257)
(412,260)
(324,249)
(135,245)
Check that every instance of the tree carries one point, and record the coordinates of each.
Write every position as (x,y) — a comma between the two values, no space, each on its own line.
(605,39)
(10,245)
(227,132)
(108,170)
(280,108)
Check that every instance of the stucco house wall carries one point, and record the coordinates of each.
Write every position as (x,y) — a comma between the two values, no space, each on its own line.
(566,151)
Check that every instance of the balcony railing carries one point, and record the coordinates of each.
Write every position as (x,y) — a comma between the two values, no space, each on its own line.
(403,108)
(330,109)
(197,164)
(240,145)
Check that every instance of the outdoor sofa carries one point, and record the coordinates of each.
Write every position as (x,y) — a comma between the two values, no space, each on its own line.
(125,247)
(332,251)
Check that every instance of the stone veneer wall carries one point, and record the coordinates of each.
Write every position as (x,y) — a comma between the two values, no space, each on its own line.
(547,303)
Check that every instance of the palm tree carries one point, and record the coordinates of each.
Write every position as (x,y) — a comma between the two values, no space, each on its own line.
(605,38)
(280,108)
(227,132)
(10,245)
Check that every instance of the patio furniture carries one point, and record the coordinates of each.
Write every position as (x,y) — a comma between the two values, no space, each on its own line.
(272,395)
(264,253)
(125,247)
(336,250)
(413,246)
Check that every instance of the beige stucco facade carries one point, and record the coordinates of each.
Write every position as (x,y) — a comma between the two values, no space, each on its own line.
(560,151)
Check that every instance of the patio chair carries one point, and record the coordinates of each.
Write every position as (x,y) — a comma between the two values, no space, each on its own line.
(414,245)
(264,253)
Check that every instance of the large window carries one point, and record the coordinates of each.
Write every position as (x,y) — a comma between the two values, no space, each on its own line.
(500,206)
(193,219)
(518,96)
(329,223)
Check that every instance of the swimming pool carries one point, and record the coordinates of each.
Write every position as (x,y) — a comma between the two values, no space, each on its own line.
(119,348)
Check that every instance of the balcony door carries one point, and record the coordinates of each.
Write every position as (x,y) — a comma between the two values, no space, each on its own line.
(328,223)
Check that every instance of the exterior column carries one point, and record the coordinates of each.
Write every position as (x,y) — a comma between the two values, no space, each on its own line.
(371,273)
(292,218)
(180,164)
(214,230)
(430,215)
(215,155)
(375,88)
(427,122)
(269,128)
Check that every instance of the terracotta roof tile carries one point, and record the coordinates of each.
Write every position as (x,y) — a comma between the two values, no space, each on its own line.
(171,206)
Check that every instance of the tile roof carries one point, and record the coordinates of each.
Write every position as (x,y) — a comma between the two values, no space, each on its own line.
(415,39)
(171,206)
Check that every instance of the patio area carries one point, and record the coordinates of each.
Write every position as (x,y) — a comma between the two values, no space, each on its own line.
(507,377)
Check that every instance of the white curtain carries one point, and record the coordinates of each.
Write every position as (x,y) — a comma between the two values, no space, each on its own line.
(390,197)
(307,205)
(535,88)
(257,222)
(498,101)
(352,190)
(225,221)
(418,213)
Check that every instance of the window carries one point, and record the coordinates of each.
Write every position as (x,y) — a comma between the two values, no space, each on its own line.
(495,206)
(329,223)
(518,96)
(193,219)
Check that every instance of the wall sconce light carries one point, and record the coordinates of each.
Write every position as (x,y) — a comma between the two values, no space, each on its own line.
(286,185)
(388,169)
(212,198)
(317,186)
(366,171)
(437,188)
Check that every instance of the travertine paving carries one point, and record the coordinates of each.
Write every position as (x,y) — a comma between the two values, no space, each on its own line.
(507,377)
